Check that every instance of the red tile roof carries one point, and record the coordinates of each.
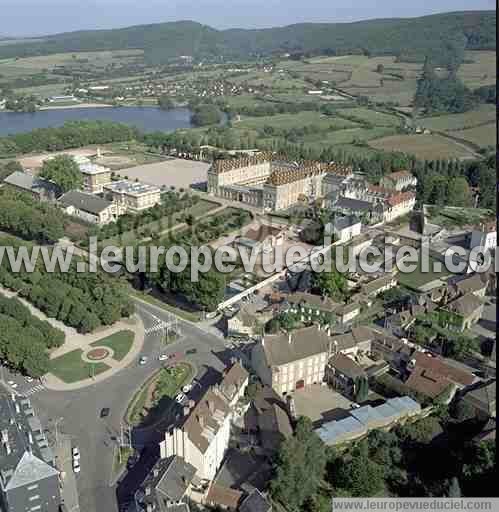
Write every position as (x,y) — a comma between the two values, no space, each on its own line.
(439,367)
(401,197)
(427,382)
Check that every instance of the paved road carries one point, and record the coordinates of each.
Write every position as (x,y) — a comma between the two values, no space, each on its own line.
(97,437)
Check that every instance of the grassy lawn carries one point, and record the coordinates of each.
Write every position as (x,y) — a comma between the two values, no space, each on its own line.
(71,368)
(120,343)
(483,136)
(155,397)
(201,208)
(121,459)
(449,216)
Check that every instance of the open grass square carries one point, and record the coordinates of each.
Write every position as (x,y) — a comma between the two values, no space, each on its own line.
(71,368)
(120,343)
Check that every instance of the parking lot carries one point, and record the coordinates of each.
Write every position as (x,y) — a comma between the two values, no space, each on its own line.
(321,404)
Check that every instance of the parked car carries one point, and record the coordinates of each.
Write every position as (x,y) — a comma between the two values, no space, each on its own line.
(12,384)
(76,466)
(187,388)
(191,351)
(104,412)
(76,453)
(163,357)
(180,398)
(28,379)
(354,406)
(143,360)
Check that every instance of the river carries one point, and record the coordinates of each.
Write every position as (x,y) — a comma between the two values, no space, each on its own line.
(147,119)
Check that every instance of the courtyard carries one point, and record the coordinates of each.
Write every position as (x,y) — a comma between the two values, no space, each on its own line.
(175,172)
(321,404)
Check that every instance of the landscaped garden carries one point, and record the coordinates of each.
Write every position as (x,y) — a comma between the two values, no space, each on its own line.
(155,397)
(120,343)
(71,367)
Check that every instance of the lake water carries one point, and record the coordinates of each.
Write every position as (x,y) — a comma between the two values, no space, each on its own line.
(147,119)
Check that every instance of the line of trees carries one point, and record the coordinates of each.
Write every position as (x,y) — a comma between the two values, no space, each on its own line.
(25,339)
(82,300)
(73,134)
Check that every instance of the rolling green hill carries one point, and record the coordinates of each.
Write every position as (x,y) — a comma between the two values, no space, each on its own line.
(410,39)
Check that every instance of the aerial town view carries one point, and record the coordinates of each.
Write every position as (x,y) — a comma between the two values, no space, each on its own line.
(247,256)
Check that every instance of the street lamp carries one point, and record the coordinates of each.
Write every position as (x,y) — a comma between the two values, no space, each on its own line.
(56,423)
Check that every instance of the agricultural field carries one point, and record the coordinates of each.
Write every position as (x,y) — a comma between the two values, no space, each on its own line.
(483,136)
(23,67)
(295,121)
(428,147)
(371,116)
(462,217)
(452,122)
(348,136)
(358,75)
(481,71)
(476,126)
(271,80)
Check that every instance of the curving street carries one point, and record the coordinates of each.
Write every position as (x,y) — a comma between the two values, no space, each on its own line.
(96,437)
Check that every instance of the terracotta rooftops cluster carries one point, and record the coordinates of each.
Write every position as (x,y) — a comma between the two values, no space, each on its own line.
(400,198)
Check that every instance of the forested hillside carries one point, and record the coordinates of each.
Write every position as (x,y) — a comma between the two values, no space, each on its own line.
(410,39)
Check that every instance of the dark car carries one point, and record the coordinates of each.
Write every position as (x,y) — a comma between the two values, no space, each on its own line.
(191,351)
(104,412)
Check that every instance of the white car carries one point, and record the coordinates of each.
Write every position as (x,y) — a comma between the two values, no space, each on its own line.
(29,379)
(143,360)
(76,454)
(354,406)
(187,388)
(76,466)
(12,384)
(163,357)
(180,398)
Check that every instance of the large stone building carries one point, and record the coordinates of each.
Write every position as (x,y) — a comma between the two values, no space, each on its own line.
(29,480)
(94,177)
(291,361)
(90,208)
(202,437)
(271,183)
(131,195)
(268,182)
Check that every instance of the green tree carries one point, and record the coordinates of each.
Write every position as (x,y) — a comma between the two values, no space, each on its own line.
(300,467)
(165,102)
(63,171)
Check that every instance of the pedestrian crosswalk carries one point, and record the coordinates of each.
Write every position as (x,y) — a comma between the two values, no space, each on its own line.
(32,391)
(157,327)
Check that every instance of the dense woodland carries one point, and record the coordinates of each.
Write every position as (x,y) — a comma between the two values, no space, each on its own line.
(24,216)
(84,301)
(73,134)
(24,338)
(441,36)
(431,457)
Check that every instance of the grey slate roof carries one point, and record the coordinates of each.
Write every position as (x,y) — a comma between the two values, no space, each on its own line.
(32,184)
(27,462)
(176,479)
(465,305)
(30,470)
(83,201)
(255,502)
(341,223)
(355,205)
(283,348)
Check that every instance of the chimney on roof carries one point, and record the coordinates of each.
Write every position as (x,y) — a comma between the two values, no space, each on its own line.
(200,420)
(211,406)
